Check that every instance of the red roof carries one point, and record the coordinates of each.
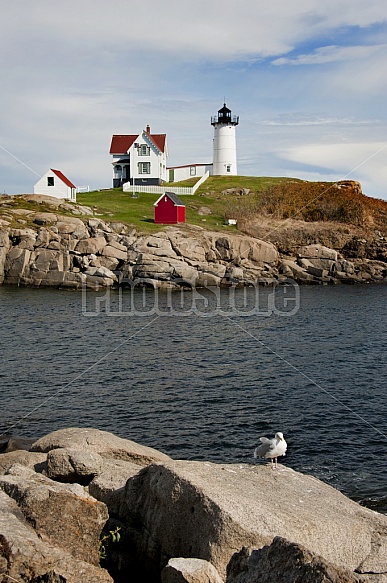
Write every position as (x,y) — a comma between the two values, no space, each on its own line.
(63,178)
(159,140)
(121,144)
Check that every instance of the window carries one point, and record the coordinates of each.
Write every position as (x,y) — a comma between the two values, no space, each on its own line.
(143,150)
(192,171)
(228,168)
(144,167)
(50,181)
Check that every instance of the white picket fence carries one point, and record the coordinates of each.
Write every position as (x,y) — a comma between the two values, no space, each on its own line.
(83,189)
(179,190)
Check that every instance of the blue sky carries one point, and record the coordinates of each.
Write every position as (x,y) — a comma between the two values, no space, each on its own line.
(308,80)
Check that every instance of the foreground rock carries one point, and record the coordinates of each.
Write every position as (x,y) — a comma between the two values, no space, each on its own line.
(189,571)
(105,444)
(42,500)
(179,521)
(284,562)
(210,511)
(25,556)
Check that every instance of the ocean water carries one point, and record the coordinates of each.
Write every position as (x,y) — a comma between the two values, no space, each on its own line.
(205,379)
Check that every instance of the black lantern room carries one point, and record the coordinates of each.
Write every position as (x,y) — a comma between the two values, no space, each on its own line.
(224,117)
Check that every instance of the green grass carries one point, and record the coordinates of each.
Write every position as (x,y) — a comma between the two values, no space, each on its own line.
(116,205)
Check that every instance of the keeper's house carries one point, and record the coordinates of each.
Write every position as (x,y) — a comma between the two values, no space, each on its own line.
(169,209)
(55,183)
(139,158)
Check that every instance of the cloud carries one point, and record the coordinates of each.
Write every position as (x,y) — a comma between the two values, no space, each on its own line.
(73,73)
(331,54)
(211,30)
(365,162)
(299,119)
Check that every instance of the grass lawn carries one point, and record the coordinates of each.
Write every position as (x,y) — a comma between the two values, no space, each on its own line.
(116,205)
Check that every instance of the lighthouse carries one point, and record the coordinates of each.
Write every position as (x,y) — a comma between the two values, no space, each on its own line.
(224,155)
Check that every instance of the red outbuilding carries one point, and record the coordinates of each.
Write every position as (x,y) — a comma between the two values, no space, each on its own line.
(169,209)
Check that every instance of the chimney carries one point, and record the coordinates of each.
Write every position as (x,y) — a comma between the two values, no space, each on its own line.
(148,129)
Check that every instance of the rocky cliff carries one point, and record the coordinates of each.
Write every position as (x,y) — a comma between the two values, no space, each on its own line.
(66,251)
(179,521)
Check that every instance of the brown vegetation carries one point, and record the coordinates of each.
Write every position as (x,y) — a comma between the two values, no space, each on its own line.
(339,202)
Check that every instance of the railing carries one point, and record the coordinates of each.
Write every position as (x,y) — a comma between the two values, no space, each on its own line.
(179,190)
(83,189)
(233,120)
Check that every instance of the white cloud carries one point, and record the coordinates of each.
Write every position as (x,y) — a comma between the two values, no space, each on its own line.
(210,29)
(331,54)
(365,162)
(299,119)
(74,73)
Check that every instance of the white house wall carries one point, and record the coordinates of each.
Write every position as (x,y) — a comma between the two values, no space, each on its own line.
(185,172)
(59,190)
(156,158)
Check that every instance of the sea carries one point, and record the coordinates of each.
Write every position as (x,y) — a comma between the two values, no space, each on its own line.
(203,375)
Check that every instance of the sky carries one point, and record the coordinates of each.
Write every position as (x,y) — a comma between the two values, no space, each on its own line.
(307,78)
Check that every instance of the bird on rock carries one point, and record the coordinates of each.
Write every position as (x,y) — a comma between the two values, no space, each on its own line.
(271,448)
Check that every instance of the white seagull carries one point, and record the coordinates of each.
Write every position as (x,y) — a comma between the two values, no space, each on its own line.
(271,448)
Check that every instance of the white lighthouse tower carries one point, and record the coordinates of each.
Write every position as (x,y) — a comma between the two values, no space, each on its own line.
(224,156)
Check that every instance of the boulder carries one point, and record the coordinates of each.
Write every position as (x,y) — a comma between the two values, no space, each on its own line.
(112,240)
(73,465)
(96,282)
(119,228)
(224,248)
(183,271)
(43,238)
(26,243)
(91,245)
(159,246)
(3,257)
(207,510)
(108,262)
(108,446)
(14,443)
(317,271)
(74,227)
(98,225)
(317,251)
(263,252)
(64,514)
(25,556)
(35,461)
(112,252)
(45,218)
(297,272)
(47,260)
(191,248)
(181,570)
(149,267)
(108,485)
(15,264)
(101,271)
(4,239)
(284,562)
(206,279)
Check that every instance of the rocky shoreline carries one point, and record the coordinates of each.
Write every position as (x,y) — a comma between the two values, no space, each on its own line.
(179,521)
(84,251)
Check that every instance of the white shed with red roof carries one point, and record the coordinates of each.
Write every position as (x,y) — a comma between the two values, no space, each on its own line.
(139,158)
(55,183)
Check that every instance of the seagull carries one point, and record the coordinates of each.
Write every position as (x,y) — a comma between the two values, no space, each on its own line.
(271,448)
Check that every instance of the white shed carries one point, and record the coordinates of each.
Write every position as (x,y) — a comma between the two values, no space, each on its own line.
(55,183)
